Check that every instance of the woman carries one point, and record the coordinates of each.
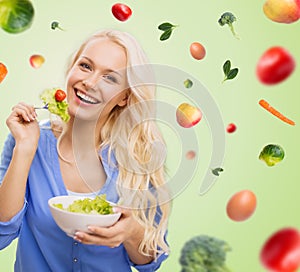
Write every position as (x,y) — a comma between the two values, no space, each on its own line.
(109,146)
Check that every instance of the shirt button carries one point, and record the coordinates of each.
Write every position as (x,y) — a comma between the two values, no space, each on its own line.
(75,260)
(75,243)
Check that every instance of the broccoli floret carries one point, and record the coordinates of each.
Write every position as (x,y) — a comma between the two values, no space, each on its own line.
(227,18)
(204,253)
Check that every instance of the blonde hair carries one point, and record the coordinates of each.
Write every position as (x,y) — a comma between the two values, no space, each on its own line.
(133,136)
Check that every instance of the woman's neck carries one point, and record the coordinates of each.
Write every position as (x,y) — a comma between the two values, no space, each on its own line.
(82,133)
(77,147)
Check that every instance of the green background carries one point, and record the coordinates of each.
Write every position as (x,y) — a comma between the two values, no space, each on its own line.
(276,188)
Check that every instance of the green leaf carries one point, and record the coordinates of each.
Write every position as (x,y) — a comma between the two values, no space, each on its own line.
(226,67)
(217,170)
(165,26)
(232,73)
(166,35)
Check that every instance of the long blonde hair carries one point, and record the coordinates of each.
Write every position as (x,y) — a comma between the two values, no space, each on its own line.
(133,136)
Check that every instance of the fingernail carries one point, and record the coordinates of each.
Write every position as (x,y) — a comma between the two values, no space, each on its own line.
(91,229)
(78,234)
(116,209)
(76,238)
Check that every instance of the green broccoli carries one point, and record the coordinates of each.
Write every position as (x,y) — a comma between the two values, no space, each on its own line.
(204,253)
(227,18)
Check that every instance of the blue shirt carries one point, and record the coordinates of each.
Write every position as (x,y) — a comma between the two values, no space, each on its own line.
(42,245)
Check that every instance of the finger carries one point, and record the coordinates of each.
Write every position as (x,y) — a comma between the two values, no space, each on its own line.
(106,233)
(30,109)
(126,212)
(91,239)
(26,112)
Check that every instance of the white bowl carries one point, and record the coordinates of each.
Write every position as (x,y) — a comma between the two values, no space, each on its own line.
(71,222)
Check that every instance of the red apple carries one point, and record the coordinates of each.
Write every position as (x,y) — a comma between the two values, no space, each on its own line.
(282,11)
(188,115)
(36,61)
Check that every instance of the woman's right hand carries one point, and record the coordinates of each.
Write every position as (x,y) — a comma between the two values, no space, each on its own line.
(23,125)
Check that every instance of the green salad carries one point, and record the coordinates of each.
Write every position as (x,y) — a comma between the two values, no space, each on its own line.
(98,205)
(59,108)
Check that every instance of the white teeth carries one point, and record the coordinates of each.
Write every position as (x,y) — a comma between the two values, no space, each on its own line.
(86,97)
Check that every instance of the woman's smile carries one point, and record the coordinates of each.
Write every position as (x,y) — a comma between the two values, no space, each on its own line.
(85,97)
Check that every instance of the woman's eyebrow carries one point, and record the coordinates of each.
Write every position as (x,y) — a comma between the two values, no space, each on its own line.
(106,69)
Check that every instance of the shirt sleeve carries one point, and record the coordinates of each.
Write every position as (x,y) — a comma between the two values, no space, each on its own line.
(9,230)
(153,266)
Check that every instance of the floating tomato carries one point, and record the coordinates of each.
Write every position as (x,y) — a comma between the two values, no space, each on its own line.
(121,11)
(281,251)
(231,128)
(275,65)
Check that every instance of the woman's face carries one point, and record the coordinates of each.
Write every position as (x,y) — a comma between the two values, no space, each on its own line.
(97,81)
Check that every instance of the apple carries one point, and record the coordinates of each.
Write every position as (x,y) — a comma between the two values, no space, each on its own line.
(188,115)
(282,11)
(36,61)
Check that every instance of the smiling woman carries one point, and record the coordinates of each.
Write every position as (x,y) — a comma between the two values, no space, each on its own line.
(104,148)
(97,79)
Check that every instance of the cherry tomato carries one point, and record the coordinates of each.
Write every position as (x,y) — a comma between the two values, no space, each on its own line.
(231,128)
(197,51)
(281,251)
(241,205)
(60,95)
(121,11)
(275,65)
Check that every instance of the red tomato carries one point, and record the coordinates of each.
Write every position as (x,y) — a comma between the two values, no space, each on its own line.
(281,251)
(197,51)
(275,65)
(241,205)
(231,128)
(121,11)
(60,95)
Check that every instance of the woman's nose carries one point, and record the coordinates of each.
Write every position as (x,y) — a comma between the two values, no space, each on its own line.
(90,82)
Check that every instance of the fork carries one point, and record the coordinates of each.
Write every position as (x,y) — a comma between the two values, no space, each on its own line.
(45,107)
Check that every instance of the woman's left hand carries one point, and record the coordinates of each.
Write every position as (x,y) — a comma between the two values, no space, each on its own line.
(126,229)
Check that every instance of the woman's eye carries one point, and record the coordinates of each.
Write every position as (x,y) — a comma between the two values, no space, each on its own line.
(85,66)
(110,78)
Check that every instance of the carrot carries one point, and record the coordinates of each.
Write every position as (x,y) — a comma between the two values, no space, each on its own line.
(275,112)
(3,71)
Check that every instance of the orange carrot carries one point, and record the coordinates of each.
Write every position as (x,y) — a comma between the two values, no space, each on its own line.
(275,112)
(3,71)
